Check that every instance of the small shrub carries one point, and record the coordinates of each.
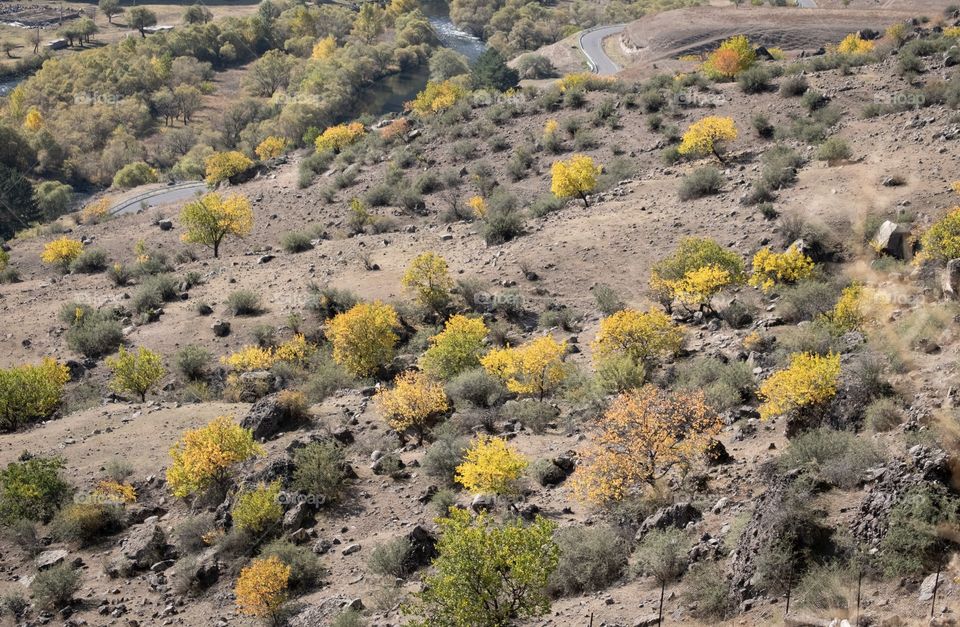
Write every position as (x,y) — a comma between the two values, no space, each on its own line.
(813,100)
(389,559)
(701,182)
(763,126)
(244,303)
(54,588)
(306,570)
(607,299)
(824,587)
(837,457)
(544,205)
(754,80)
(662,555)
(834,150)
(725,385)
(259,509)
(445,454)
(477,388)
(708,592)
(807,300)
(912,544)
(296,242)
(95,335)
(793,86)
(85,523)
(90,261)
(320,471)
(883,414)
(325,377)
(591,558)
(192,362)
(195,533)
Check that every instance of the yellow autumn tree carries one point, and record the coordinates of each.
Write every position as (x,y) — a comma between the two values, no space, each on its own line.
(770,268)
(644,435)
(478,205)
(413,402)
(336,138)
(220,166)
(60,252)
(641,336)
(204,457)
(94,212)
(271,147)
(437,96)
(848,313)
(706,136)
(695,272)
(258,509)
(324,48)
(30,392)
(941,241)
(574,178)
(854,44)
(803,387)
(136,373)
(490,466)
(33,121)
(261,589)
(212,218)
(364,337)
(455,349)
(732,57)
(429,279)
(532,369)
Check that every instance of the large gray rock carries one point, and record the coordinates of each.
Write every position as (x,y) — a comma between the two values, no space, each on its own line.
(268,417)
(423,548)
(146,544)
(926,588)
(49,559)
(676,516)
(893,239)
(950,279)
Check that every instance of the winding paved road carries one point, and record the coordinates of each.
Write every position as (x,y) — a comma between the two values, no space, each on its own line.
(591,45)
(161,196)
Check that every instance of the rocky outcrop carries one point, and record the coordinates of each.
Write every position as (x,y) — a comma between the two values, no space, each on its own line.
(145,545)
(270,416)
(950,279)
(890,483)
(893,239)
(676,516)
(423,548)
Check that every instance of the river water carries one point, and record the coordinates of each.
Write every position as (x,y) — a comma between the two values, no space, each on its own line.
(391,93)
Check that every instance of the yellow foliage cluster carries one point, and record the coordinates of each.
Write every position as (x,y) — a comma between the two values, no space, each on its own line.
(847,314)
(437,97)
(94,212)
(296,350)
(456,348)
(212,218)
(854,44)
(204,456)
(261,589)
(29,393)
(364,337)
(698,286)
(705,136)
(732,57)
(271,147)
(338,137)
(808,382)
(942,240)
(428,278)
(581,80)
(478,205)
(61,252)
(642,436)
(4,259)
(574,178)
(951,31)
(534,368)
(641,336)
(770,268)
(413,402)
(222,165)
(109,491)
(490,466)
(324,48)
(258,509)
(550,128)
(135,373)
(33,120)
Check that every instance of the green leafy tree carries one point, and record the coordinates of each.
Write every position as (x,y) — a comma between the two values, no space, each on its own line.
(142,18)
(136,373)
(490,71)
(110,8)
(32,489)
(487,575)
(18,208)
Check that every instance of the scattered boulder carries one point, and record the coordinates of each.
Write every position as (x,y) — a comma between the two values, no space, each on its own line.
(221,328)
(950,279)
(145,545)
(423,548)
(257,384)
(676,516)
(49,559)
(482,503)
(716,453)
(165,225)
(270,416)
(893,239)
(928,585)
